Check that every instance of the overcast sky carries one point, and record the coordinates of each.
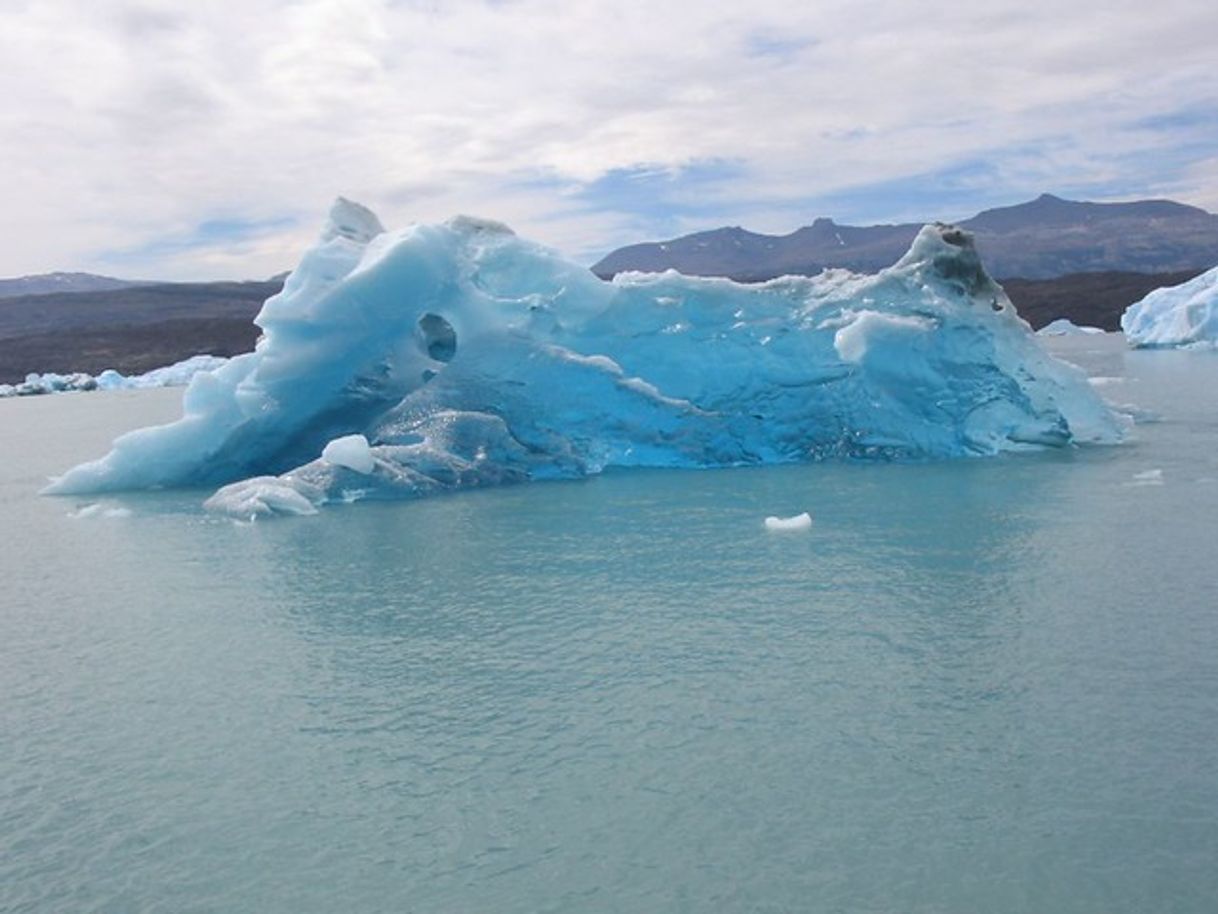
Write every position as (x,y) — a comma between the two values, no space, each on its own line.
(200,140)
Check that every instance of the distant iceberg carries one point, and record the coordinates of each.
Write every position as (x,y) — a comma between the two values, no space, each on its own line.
(36,384)
(1065,327)
(442,357)
(1184,315)
(179,374)
(175,375)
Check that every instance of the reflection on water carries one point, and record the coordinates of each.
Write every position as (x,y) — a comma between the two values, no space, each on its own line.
(985,685)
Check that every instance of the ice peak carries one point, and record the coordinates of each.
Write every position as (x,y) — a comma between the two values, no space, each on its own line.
(951,253)
(476,225)
(352,221)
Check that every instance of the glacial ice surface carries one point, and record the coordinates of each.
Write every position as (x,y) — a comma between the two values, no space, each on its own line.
(1176,316)
(466,356)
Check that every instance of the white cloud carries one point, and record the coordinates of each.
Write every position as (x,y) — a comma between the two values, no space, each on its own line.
(127,123)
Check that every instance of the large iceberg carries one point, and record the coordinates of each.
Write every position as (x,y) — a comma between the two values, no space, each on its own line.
(1183,315)
(440,357)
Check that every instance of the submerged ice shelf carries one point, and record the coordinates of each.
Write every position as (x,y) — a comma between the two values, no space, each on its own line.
(439,357)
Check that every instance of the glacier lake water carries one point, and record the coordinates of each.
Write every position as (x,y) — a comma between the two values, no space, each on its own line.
(972,686)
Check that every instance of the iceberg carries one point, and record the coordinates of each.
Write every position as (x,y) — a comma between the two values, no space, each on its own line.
(448,356)
(179,374)
(1176,316)
(1065,327)
(50,382)
(175,375)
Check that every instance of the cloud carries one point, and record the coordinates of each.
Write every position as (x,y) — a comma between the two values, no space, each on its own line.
(217,246)
(130,124)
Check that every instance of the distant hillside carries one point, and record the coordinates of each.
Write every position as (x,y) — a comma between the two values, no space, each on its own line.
(1060,250)
(1087,299)
(46,283)
(1045,238)
(167,323)
(132,329)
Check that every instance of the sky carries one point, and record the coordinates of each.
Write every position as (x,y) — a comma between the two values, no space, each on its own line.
(206,140)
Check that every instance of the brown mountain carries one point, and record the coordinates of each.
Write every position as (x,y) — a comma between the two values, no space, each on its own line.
(132,329)
(1042,239)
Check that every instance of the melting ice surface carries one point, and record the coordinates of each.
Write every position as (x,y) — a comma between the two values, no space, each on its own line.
(437,357)
(1183,315)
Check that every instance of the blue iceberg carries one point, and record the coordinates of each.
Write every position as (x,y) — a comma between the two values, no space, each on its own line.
(442,357)
(1184,316)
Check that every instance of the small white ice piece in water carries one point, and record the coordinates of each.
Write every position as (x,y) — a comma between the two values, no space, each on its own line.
(1148,478)
(789,524)
(350,451)
(97,509)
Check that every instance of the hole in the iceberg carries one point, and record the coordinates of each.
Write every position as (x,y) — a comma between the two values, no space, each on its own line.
(996,305)
(438,338)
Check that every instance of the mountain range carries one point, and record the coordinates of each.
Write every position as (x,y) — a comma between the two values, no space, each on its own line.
(134,327)
(49,283)
(1042,239)
(1056,258)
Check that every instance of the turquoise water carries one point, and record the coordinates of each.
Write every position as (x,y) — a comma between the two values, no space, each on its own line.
(972,686)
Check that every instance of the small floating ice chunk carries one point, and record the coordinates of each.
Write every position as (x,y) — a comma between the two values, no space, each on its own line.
(1138,415)
(1064,327)
(1148,478)
(97,509)
(789,524)
(350,451)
